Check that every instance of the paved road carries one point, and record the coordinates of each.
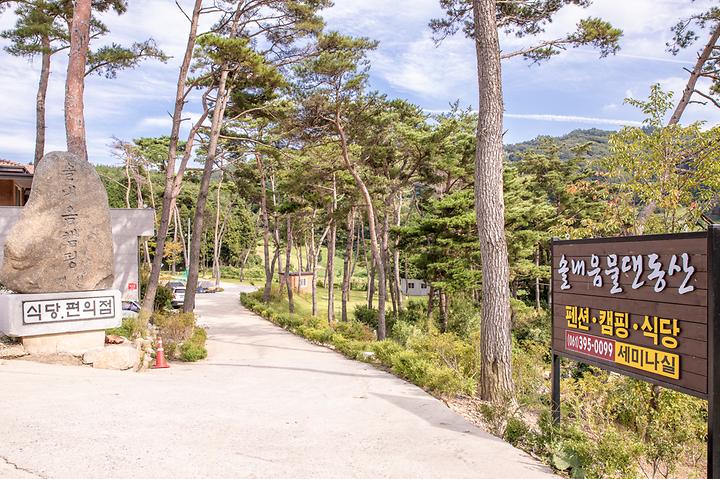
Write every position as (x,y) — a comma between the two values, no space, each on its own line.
(266,404)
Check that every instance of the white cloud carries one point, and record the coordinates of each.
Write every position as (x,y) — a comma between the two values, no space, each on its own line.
(572,119)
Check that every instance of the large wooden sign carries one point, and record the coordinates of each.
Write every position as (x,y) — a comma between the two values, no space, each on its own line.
(646,307)
(635,305)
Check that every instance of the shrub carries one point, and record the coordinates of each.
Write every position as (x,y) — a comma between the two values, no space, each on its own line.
(130,328)
(354,330)
(384,350)
(421,371)
(450,351)
(414,312)
(181,338)
(174,326)
(194,348)
(191,352)
(403,331)
(464,318)
(163,298)
(369,317)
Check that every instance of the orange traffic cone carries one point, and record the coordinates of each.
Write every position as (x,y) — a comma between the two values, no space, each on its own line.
(160,356)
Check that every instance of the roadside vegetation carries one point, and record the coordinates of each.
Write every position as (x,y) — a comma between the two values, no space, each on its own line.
(305,168)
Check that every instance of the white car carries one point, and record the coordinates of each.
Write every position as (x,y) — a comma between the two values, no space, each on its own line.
(178,298)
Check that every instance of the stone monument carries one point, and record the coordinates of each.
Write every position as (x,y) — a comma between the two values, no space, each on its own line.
(58,261)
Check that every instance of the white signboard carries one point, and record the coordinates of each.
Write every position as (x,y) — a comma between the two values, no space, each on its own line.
(68,309)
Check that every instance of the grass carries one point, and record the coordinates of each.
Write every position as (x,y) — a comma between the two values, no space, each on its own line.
(303,302)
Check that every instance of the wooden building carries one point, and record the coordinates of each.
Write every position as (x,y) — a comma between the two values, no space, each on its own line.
(300,282)
(15,183)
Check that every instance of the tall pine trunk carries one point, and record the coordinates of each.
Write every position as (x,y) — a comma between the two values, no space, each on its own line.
(40,101)
(347,261)
(199,219)
(171,181)
(332,238)
(375,246)
(496,383)
(288,255)
(396,255)
(75,80)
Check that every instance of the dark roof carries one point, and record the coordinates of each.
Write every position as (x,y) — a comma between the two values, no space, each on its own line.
(8,167)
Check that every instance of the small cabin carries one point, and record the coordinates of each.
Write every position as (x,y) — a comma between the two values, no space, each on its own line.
(414,287)
(15,183)
(300,282)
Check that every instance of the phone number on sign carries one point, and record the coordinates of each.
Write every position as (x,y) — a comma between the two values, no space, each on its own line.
(590,345)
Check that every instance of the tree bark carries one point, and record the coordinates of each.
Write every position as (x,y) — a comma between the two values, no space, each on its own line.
(537,279)
(332,238)
(266,229)
(396,255)
(444,311)
(288,254)
(347,268)
(371,285)
(374,245)
(199,219)
(496,383)
(695,75)
(40,102)
(216,237)
(169,194)
(75,79)
(431,298)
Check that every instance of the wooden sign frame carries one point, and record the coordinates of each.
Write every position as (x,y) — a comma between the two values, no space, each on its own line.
(695,355)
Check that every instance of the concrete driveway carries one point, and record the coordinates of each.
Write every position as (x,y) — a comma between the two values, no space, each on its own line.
(265,404)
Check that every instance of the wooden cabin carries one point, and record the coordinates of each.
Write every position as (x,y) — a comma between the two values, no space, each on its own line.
(300,282)
(15,183)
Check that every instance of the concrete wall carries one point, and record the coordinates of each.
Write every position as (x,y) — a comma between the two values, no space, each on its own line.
(127,226)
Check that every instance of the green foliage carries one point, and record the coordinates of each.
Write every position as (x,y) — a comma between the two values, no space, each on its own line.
(662,179)
(182,339)
(163,298)
(130,328)
(369,317)
(593,141)
(194,348)
(42,28)
(524,19)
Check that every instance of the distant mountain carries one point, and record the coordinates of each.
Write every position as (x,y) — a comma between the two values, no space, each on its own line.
(598,140)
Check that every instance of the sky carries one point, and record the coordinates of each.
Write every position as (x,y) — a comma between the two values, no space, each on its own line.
(576,89)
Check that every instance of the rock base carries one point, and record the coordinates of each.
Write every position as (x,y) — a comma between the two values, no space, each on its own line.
(115,356)
(75,343)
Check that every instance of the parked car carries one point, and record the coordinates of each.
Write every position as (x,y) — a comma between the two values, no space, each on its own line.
(178,298)
(130,309)
(175,283)
(206,287)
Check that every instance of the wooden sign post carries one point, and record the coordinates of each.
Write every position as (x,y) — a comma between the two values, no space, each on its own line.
(645,307)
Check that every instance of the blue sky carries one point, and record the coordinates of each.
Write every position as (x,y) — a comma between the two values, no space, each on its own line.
(573,90)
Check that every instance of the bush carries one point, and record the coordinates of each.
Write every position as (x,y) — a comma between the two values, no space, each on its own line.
(181,338)
(130,328)
(415,312)
(163,295)
(194,348)
(369,317)
(464,318)
(163,298)
(424,373)
(354,330)
(403,331)
(173,326)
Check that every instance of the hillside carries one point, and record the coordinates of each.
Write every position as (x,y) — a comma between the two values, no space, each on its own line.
(596,137)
